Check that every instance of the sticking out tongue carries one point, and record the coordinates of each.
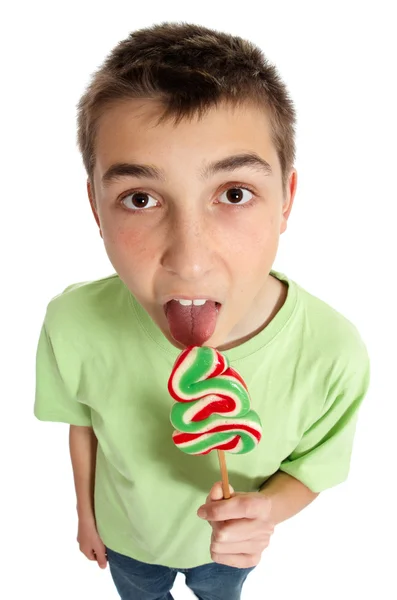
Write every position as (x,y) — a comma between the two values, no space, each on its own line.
(191,325)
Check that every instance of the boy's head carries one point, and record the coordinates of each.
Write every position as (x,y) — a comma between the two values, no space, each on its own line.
(187,136)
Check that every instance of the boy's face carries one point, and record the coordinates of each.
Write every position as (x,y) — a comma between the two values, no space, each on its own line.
(178,228)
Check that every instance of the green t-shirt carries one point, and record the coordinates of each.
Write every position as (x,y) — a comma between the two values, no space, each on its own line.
(102,362)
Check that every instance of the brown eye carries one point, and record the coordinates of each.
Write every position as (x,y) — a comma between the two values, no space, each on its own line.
(139,201)
(234,195)
(237,195)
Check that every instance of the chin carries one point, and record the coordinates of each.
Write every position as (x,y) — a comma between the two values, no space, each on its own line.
(175,343)
(212,342)
(172,340)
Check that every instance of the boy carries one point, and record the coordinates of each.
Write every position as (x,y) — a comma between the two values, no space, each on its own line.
(187,137)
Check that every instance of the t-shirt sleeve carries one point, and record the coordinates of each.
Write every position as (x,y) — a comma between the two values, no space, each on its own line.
(322,458)
(57,376)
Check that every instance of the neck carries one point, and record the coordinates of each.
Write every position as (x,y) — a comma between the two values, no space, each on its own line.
(264,308)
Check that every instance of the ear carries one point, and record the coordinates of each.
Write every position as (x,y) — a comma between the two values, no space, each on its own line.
(90,192)
(288,199)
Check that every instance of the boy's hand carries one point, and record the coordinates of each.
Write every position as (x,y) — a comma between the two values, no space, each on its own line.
(90,543)
(241,528)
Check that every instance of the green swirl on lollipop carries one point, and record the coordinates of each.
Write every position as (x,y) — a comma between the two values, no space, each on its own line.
(212,409)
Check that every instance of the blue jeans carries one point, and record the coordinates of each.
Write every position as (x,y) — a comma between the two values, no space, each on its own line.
(135,580)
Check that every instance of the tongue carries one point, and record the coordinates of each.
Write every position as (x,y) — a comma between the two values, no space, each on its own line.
(191,325)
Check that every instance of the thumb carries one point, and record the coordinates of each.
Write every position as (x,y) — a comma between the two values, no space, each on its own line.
(216,492)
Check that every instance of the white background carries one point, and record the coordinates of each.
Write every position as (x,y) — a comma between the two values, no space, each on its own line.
(338,60)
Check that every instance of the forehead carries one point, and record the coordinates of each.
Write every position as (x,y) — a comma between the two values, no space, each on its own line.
(129,129)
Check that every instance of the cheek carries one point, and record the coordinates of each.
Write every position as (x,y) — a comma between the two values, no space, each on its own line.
(129,247)
(253,251)
(255,237)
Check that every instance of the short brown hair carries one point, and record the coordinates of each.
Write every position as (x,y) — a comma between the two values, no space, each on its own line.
(189,69)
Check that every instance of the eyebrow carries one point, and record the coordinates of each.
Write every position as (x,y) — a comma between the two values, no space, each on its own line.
(229,163)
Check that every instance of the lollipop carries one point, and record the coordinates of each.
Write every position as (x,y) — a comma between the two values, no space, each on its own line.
(212,409)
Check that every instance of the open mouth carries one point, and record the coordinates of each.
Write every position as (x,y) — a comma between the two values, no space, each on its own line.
(192,321)
(193,302)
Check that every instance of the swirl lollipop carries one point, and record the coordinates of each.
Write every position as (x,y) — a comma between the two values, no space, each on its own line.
(212,409)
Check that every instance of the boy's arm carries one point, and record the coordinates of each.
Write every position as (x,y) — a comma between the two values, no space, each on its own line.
(83,445)
(288,496)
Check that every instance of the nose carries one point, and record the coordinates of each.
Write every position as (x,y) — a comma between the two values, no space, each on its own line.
(188,252)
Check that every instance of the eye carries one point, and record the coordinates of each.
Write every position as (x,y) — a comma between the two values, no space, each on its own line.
(235,195)
(139,201)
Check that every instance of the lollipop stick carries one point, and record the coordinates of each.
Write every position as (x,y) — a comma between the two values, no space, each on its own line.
(225,478)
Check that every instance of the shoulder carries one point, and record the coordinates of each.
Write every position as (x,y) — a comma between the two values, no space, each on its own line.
(84,303)
(331,335)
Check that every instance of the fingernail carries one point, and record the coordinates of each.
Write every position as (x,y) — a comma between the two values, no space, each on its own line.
(202,513)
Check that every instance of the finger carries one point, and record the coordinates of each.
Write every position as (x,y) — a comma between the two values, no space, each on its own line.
(216,492)
(241,561)
(241,530)
(245,506)
(249,547)
(100,555)
(90,554)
